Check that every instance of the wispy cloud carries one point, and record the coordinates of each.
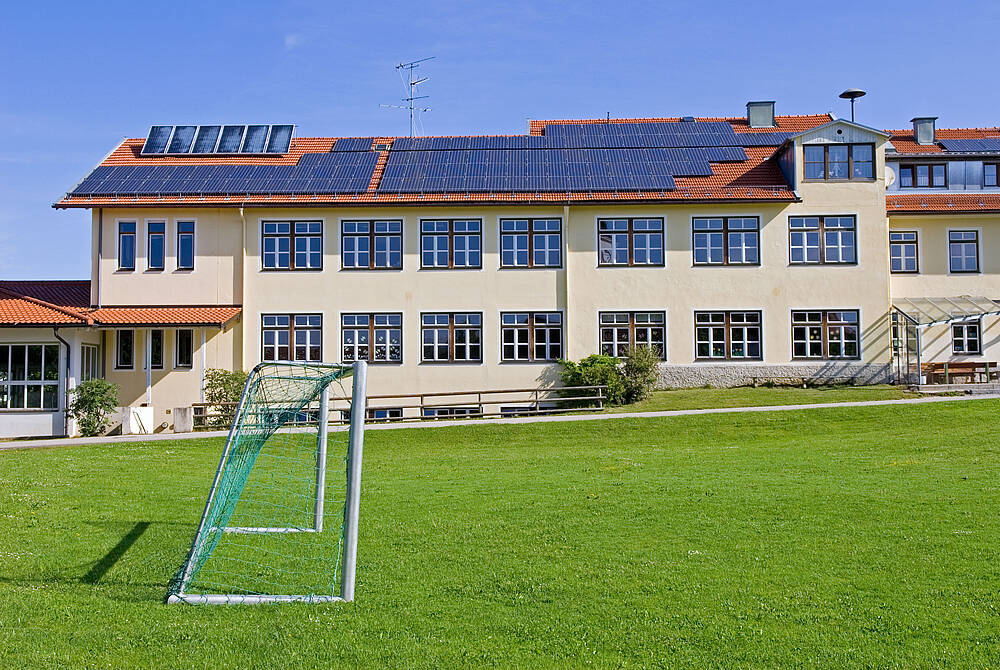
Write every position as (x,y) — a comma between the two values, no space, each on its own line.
(293,40)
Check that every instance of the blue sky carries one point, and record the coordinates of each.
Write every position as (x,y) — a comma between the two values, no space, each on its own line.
(77,77)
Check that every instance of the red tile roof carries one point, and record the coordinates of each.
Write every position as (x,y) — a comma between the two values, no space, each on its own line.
(785,124)
(127,153)
(940,203)
(904,143)
(187,315)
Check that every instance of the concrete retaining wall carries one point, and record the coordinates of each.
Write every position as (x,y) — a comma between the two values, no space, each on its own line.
(743,374)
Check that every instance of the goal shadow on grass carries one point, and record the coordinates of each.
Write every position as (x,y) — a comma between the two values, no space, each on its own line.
(109,560)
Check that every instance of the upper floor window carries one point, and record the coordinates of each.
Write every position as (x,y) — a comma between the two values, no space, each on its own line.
(124,349)
(371,245)
(990,174)
(822,239)
(838,161)
(29,376)
(531,336)
(185,245)
(903,251)
(184,348)
(825,334)
(455,243)
(726,240)
(925,175)
(155,244)
(630,242)
(530,243)
(727,335)
(965,338)
(451,337)
(963,251)
(376,338)
(292,337)
(126,245)
(621,332)
(292,245)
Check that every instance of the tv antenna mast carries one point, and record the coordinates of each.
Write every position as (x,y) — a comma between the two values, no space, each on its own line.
(410,84)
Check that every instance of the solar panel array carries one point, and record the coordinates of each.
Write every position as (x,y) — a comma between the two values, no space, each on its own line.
(249,139)
(984,144)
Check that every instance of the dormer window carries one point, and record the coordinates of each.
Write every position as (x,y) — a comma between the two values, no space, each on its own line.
(990,174)
(933,175)
(838,162)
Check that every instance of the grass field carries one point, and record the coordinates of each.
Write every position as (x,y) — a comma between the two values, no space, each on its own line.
(846,537)
(746,396)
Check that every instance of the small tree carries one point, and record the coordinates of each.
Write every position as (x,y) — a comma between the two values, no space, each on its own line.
(91,404)
(640,372)
(223,387)
(595,370)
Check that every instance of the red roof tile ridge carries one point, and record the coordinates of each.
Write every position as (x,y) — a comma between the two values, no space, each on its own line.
(62,310)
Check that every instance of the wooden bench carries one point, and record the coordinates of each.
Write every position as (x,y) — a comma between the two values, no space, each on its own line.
(968,372)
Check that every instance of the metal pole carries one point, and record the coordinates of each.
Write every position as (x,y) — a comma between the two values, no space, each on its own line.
(352,505)
(324,425)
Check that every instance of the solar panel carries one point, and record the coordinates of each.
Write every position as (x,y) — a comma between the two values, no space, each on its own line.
(280,139)
(256,138)
(180,141)
(232,138)
(207,137)
(156,142)
(984,144)
(353,144)
(762,139)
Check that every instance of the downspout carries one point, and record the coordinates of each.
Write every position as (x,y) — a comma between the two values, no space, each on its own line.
(243,288)
(69,360)
(100,251)
(566,325)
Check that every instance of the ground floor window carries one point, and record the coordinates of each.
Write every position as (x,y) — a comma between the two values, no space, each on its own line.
(727,335)
(376,338)
(965,338)
(622,331)
(156,349)
(124,349)
(292,337)
(825,334)
(29,376)
(385,413)
(90,367)
(531,336)
(184,348)
(441,412)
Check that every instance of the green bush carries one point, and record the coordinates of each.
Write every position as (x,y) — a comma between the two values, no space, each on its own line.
(639,374)
(221,387)
(595,370)
(91,404)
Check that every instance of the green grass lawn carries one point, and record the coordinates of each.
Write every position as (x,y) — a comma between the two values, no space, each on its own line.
(745,396)
(846,537)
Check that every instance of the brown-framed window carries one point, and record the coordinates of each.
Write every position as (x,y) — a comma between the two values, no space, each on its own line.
(185,245)
(726,240)
(451,244)
(376,338)
(156,233)
(29,376)
(621,332)
(124,349)
(156,349)
(990,174)
(963,251)
(728,335)
(923,175)
(826,334)
(630,242)
(822,239)
(903,251)
(184,348)
(292,337)
(91,362)
(966,337)
(450,337)
(292,245)
(530,243)
(838,162)
(531,336)
(126,245)
(371,245)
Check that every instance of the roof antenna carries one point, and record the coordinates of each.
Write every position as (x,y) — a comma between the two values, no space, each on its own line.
(410,84)
(852,94)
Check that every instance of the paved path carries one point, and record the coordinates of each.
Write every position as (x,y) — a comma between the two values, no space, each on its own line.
(59,442)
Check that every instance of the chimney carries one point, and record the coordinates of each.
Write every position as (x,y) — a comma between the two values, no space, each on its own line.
(760,114)
(923,129)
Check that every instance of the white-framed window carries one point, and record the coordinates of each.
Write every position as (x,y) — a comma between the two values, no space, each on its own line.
(531,336)
(292,337)
(29,376)
(630,242)
(726,240)
(451,337)
(903,251)
(90,367)
(371,245)
(451,243)
(828,240)
(965,338)
(156,245)
(530,243)
(185,245)
(446,412)
(376,338)
(826,334)
(183,348)
(292,245)
(620,332)
(963,251)
(156,340)
(126,245)
(728,335)
(383,414)
(124,349)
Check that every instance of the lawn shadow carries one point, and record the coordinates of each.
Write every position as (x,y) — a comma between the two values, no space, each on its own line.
(109,560)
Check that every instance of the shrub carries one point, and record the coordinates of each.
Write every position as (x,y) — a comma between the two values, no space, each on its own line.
(91,404)
(596,370)
(221,387)
(640,372)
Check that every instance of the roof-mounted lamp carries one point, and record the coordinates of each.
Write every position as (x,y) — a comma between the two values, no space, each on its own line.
(852,94)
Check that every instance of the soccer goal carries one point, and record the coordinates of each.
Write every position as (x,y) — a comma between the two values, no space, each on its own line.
(276,527)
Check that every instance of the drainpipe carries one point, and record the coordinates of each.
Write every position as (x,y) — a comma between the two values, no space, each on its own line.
(100,252)
(69,369)
(566,320)
(243,288)
(149,365)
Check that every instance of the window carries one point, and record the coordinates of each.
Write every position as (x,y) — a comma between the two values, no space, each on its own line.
(621,331)
(451,244)
(292,245)
(531,336)
(903,251)
(376,338)
(126,245)
(727,335)
(184,348)
(990,174)
(965,338)
(963,251)
(156,232)
(726,241)
(124,349)
(530,243)
(383,413)
(817,334)
(90,362)
(443,412)
(449,337)
(838,161)
(932,175)
(822,239)
(29,376)
(185,245)
(371,245)
(156,349)
(292,337)
(630,242)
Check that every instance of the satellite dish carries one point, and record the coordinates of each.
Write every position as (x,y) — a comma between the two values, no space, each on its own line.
(890,176)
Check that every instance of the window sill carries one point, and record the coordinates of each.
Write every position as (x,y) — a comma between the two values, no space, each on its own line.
(29,410)
(399,269)
(470,363)
(843,180)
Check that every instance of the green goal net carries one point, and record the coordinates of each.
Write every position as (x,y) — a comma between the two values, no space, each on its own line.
(280,523)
